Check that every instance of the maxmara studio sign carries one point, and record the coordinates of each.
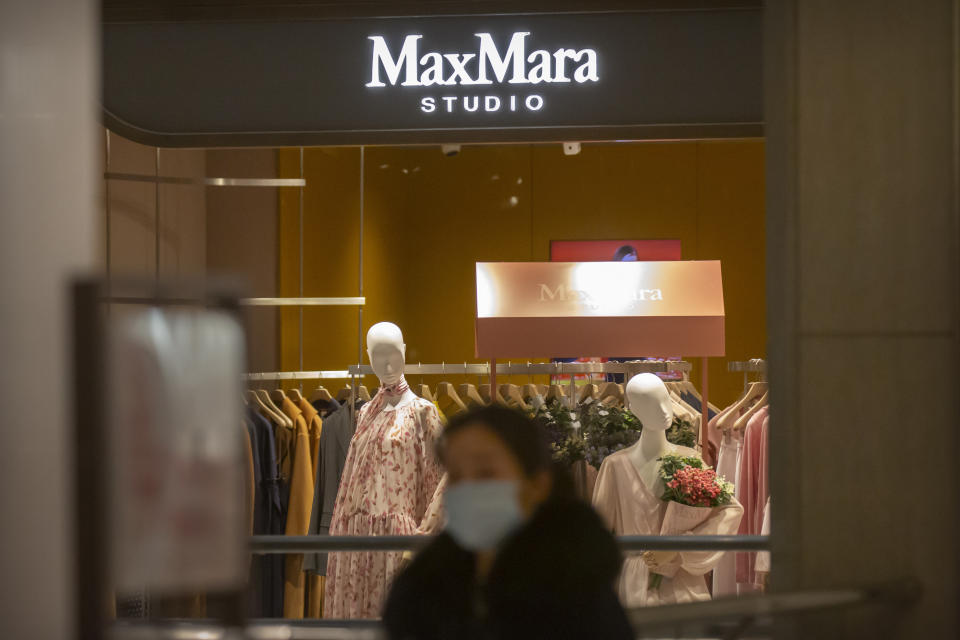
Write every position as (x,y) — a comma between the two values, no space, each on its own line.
(515,65)
(424,79)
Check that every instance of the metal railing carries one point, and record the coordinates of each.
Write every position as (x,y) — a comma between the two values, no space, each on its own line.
(324,544)
(727,618)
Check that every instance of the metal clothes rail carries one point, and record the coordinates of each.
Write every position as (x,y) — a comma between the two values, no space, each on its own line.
(265,545)
(483,369)
(533,368)
(299,375)
(305,302)
(754,365)
(206,182)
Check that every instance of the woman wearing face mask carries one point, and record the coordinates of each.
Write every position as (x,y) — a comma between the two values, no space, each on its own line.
(519,557)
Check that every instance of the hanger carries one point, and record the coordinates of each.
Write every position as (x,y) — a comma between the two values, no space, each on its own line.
(686,386)
(343,396)
(588,391)
(323,401)
(363,393)
(542,389)
(322,395)
(727,409)
(278,396)
(611,394)
(275,414)
(529,392)
(511,393)
(556,393)
(755,390)
(741,423)
(295,395)
(424,392)
(448,400)
(487,397)
(470,396)
(684,410)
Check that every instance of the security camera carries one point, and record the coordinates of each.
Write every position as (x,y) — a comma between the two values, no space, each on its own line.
(450,150)
(571,148)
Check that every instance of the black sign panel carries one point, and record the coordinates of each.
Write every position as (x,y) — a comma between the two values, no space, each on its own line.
(635,75)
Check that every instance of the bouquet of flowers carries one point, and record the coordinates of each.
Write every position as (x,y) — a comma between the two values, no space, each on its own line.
(606,430)
(562,429)
(692,490)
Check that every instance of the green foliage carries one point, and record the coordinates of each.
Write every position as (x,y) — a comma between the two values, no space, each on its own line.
(682,433)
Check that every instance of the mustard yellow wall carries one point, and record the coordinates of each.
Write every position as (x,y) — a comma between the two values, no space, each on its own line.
(429,218)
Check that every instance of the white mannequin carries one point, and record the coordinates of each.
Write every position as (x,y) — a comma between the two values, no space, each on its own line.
(392,483)
(650,402)
(387,353)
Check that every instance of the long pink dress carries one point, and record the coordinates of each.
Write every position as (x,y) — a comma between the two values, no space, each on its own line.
(630,507)
(391,486)
(753,490)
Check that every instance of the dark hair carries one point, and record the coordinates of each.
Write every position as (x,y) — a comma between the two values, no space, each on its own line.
(524,438)
(623,252)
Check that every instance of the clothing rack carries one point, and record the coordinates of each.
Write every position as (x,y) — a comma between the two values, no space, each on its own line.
(629,369)
(483,369)
(298,375)
(535,368)
(304,302)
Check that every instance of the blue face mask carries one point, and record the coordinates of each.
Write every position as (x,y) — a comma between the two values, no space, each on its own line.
(481,514)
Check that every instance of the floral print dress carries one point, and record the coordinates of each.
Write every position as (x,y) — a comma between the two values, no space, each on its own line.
(392,485)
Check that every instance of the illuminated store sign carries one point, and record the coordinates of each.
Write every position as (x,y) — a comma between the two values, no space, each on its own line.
(533,77)
(557,309)
(487,66)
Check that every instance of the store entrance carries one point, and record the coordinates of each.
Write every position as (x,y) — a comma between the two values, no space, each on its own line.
(394,233)
(359,214)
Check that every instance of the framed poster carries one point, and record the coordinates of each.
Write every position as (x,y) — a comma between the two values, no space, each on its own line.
(616,251)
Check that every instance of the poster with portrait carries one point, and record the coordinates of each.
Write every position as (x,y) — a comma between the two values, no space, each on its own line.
(614,251)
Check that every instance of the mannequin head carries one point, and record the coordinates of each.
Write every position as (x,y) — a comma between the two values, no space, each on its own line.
(650,402)
(386,351)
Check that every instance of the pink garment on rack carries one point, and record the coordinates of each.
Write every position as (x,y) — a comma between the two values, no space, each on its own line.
(753,489)
(712,453)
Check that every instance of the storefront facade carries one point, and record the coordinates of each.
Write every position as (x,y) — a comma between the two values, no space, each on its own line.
(852,147)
